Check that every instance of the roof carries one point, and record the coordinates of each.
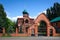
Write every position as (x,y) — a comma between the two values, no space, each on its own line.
(23,18)
(25,12)
(56,19)
(31,19)
(20,18)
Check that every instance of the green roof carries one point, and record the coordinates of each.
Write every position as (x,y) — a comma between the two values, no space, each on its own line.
(25,12)
(56,19)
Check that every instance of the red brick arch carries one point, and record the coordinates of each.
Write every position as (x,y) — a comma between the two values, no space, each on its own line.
(43,18)
(36,23)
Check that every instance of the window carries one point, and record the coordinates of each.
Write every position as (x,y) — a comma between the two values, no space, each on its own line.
(26,21)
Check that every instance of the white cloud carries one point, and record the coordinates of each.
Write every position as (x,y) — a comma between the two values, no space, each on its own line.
(12,18)
(42,12)
(15,18)
(32,17)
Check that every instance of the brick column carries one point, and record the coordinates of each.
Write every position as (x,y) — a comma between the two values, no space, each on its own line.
(48,31)
(54,31)
(29,32)
(16,30)
(36,30)
(3,30)
(24,30)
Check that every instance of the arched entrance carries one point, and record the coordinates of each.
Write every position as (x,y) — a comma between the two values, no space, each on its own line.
(42,29)
(36,24)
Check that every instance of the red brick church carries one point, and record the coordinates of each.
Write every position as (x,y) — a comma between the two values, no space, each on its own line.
(27,26)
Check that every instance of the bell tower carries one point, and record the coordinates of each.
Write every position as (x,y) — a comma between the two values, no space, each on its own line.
(26,21)
(25,14)
(26,17)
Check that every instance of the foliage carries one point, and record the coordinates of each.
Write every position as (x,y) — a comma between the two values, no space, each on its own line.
(2,16)
(6,22)
(54,11)
(10,27)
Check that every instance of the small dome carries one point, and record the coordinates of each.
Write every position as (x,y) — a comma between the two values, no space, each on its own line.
(25,12)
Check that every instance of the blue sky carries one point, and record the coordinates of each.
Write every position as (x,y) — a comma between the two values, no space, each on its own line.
(14,8)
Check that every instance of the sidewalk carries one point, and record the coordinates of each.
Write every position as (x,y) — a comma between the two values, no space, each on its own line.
(30,38)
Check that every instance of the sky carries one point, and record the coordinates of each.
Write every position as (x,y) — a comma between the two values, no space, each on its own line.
(14,8)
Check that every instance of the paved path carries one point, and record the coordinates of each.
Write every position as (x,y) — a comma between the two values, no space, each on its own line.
(29,38)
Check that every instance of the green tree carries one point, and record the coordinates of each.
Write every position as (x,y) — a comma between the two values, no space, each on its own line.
(4,21)
(2,16)
(53,11)
(10,28)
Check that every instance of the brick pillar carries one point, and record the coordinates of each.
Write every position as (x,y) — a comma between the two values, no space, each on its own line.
(29,32)
(3,30)
(54,31)
(48,31)
(24,29)
(36,30)
(16,30)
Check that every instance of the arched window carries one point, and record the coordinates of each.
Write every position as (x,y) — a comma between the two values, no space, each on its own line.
(26,21)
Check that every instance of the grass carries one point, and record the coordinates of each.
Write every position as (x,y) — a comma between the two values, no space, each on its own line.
(6,35)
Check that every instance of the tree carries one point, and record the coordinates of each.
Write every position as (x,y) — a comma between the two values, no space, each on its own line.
(54,11)
(4,21)
(2,16)
(10,28)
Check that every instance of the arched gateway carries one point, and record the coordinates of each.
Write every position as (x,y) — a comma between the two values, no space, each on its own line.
(41,17)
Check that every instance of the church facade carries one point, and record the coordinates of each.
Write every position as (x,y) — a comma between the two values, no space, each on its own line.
(27,26)
(25,22)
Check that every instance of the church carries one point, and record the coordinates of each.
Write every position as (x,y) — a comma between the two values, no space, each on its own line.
(27,26)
